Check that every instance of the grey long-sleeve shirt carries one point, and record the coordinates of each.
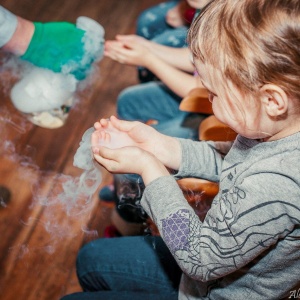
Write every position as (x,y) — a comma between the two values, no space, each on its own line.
(248,246)
(8,25)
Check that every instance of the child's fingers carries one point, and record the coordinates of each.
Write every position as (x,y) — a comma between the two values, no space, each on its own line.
(94,139)
(107,137)
(109,54)
(100,138)
(121,125)
(114,123)
(114,47)
(122,37)
(107,158)
(102,123)
(103,137)
(109,165)
(106,163)
(105,153)
(97,125)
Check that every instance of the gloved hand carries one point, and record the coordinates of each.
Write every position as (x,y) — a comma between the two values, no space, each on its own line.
(59,46)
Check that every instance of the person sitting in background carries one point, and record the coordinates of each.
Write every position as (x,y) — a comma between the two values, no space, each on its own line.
(165,24)
(156,102)
(247,247)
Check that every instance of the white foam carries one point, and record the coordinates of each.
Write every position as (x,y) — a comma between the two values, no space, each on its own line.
(93,38)
(41,89)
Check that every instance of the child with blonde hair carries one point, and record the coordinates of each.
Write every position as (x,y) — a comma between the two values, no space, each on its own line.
(247,53)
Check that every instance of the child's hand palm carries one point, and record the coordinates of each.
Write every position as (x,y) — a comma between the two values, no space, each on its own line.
(123,147)
(115,134)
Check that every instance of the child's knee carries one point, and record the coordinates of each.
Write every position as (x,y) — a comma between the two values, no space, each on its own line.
(126,104)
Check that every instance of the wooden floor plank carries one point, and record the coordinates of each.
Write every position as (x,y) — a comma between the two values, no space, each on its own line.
(40,235)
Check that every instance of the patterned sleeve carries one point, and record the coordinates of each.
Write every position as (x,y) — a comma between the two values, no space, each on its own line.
(242,223)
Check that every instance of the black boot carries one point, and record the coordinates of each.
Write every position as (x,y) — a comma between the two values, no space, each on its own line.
(5,196)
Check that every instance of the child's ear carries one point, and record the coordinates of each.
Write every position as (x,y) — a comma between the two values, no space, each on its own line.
(274,99)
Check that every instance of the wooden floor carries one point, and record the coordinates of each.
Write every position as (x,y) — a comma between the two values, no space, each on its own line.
(40,234)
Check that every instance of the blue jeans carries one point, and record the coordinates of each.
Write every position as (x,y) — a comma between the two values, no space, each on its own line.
(153,100)
(132,268)
(152,25)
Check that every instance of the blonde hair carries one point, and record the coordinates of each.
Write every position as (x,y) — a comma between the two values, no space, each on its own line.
(251,42)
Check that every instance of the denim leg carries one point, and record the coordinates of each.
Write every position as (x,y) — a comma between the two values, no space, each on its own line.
(184,125)
(152,100)
(111,295)
(172,37)
(175,37)
(152,25)
(127,267)
(152,21)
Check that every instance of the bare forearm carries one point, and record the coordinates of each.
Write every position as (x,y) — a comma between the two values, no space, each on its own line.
(179,58)
(178,81)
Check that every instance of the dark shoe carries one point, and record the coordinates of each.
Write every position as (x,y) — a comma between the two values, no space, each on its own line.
(5,196)
(125,228)
(108,194)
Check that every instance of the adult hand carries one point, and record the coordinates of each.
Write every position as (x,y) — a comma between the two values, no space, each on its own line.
(59,46)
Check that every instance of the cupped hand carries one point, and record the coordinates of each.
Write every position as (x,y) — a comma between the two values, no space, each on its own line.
(123,160)
(114,133)
(127,147)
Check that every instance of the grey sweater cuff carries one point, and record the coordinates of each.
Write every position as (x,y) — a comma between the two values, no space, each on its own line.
(8,25)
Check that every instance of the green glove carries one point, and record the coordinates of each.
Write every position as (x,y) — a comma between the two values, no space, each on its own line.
(58,46)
